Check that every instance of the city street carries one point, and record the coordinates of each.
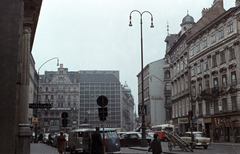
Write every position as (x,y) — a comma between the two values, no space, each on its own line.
(41,148)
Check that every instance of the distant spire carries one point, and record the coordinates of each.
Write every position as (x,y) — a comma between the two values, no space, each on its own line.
(187,12)
(167,29)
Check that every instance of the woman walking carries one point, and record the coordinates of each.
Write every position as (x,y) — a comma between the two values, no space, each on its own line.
(61,143)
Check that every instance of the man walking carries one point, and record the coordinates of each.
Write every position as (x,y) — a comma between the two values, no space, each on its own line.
(235,136)
(155,145)
(97,145)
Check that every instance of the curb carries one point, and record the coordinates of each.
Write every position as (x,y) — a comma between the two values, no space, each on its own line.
(146,150)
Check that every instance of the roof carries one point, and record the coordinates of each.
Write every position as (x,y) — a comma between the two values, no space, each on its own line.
(97,78)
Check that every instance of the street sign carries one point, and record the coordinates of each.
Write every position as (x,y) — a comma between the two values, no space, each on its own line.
(35,105)
(194,119)
(102,101)
(142,109)
(34,120)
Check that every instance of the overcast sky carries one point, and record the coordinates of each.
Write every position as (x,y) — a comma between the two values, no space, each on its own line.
(94,34)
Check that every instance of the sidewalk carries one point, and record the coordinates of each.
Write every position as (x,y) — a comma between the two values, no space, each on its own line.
(226,144)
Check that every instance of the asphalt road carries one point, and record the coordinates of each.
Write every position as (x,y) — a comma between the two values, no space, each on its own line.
(40,148)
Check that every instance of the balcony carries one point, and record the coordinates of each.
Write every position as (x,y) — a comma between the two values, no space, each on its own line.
(210,93)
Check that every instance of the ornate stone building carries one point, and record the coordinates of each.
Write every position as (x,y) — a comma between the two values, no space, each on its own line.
(204,72)
(61,89)
(128,120)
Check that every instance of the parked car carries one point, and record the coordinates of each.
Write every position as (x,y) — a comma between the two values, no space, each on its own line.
(133,139)
(199,139)
(120,134)
(45,138)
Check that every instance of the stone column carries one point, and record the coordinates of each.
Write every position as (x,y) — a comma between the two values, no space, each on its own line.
(23,69)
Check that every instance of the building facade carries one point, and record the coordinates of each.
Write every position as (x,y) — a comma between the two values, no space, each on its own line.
(154,98)
(93,84)
(128,117)
(207,82)
(60,89)
(19,20)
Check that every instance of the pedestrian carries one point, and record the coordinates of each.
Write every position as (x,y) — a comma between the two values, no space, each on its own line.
(61,143)
(155,145)
(40,137)
(214,136)
(235,136)
(97,144)
(217,136)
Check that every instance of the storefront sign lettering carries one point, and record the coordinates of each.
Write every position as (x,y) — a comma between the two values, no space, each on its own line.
(182,120)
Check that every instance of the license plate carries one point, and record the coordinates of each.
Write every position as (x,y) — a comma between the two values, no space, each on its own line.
(204,143)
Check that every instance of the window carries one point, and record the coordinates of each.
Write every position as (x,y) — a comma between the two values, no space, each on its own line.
(52,89)
(191,51)
(224,105)
(46,88)
(230,26)
(168,100)
(216,107)
(221,34)
(200,88)
(200,109)
(213,37)
(233,78)
(206,64)
(197,46)
(199,67)
(194,91)
(69,97)
(204,42)
(167,86)
(52,97)
(192,71)
(231,53)
(61,72)
(215,82)
(207,84)
(181,65)
(181,48)
(214,61)
(222,57)
(46,97)
(185,61)
(234,103)
(177,67)
(224,81)
(208,108)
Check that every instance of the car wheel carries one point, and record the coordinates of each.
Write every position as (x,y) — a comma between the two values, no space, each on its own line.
(205,147)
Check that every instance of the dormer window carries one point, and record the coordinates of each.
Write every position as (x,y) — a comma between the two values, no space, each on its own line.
(61,72)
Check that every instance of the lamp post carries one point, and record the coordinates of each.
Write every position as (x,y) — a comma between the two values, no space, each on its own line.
(35,109)
(143,141)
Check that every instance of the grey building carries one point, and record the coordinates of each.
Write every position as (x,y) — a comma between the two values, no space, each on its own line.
(61,89)
(93,84)
(204,72)
(154,98)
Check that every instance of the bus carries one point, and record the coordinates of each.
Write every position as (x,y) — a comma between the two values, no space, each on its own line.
(159,129)
(79,140)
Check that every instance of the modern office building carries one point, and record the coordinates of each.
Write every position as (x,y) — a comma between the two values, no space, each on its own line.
(93,84)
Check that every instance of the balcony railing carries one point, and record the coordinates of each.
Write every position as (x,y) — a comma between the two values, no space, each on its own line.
(210,93)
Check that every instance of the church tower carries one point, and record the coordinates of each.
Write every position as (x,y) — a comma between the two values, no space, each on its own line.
(187,23)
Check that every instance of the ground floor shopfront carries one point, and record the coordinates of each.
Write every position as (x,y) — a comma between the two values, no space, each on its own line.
(225,126)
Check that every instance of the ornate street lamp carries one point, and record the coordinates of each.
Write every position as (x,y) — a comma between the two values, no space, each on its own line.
(143,141)
(35,109)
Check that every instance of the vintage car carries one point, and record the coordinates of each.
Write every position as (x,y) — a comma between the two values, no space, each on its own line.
(199,139)
(133,139)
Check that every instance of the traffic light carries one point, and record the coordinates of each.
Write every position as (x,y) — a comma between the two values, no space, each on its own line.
(64,122)
(102,113)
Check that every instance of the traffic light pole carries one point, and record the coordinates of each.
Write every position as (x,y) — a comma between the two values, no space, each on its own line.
(103,126)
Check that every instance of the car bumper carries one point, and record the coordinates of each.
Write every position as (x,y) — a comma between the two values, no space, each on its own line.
(202,144)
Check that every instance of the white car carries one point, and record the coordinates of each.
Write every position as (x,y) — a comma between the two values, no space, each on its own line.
(199,139)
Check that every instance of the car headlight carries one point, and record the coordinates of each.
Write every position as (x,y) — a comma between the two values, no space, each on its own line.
(117,145)
(80,142)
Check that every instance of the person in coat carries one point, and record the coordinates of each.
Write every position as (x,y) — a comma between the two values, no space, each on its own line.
(97,144)
(40,137)
(214,136)
(61,143)
(155,145)
(235,136)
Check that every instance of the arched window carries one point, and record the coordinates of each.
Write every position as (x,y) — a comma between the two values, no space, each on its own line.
(46,88)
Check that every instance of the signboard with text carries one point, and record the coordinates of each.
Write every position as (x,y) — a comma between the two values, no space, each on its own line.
(35,105)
